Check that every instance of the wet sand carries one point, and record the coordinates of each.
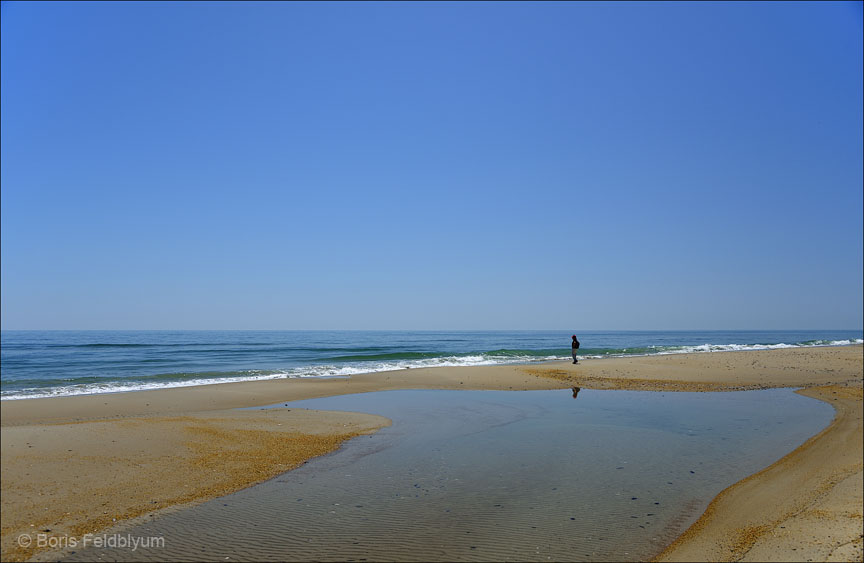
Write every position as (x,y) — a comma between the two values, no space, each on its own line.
(67,480)
(179,445)
(805,507)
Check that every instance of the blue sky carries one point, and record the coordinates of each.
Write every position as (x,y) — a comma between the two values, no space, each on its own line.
(431,165)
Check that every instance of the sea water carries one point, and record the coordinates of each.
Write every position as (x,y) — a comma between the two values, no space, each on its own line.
(495,475)
(58,363)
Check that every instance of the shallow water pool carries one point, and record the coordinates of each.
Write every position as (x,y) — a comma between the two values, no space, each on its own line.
(497,475)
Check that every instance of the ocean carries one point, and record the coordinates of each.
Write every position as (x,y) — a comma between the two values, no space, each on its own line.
(60,363)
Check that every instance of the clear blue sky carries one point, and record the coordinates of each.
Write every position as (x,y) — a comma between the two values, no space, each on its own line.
(425,166)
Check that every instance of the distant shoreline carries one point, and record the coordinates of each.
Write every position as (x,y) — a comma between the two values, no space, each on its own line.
(363,366)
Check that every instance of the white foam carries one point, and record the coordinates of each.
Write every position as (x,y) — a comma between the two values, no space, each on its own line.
(331,370)
(745,347)
(122,386)
(704,348)
(315,371)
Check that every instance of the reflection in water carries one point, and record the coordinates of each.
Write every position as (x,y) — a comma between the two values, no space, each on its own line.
(494,476)
(576,391)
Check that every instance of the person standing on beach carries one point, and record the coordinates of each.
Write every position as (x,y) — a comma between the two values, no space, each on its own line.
(575,346)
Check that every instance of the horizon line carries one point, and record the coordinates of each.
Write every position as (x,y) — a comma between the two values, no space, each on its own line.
(421,329)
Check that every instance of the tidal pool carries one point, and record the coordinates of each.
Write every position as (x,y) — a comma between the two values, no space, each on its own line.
(495,475)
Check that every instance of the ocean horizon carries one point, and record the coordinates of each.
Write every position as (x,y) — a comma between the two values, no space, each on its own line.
(55,363)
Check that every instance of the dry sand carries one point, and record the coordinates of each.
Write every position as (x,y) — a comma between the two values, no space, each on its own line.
(718,371)
(135,452)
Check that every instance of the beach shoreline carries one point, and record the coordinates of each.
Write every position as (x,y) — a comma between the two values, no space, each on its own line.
(206,410)
(800,508)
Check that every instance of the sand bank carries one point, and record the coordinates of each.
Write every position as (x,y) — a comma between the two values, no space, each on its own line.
(805,507)
(67,480)
(717,371)
(178,441)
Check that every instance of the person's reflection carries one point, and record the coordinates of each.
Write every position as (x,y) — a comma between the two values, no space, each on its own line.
(576,391)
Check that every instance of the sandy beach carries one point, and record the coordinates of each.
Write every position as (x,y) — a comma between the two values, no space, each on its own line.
(431,281)
(80,464)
